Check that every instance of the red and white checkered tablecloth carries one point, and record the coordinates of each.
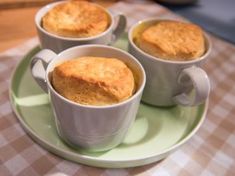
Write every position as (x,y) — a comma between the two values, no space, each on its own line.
(210,152)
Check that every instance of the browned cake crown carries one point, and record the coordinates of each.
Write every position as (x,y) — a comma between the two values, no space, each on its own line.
(172,40)
(76,19)
(94,80)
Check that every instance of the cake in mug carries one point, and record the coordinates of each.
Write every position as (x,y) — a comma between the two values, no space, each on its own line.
(78,19)
(94,80)
(172,40)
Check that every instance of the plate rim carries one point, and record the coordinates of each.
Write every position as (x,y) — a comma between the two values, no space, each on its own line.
(84,159)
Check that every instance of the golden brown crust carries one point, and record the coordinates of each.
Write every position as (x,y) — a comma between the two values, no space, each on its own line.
(76,19)
(172,40)
(94,80)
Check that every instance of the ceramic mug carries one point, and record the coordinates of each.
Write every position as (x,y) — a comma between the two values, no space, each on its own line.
(171,82)
(57,43)
(95,128)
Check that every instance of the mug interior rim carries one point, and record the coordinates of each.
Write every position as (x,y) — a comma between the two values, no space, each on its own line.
(42,11)
(134,60)
(130,39)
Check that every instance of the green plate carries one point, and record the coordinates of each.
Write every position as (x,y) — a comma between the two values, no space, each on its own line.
(155,134)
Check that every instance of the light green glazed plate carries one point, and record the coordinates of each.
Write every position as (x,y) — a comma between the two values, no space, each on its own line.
(155,134)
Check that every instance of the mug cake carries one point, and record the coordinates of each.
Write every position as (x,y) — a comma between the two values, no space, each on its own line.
(94,80)
(170,40)
(76,19)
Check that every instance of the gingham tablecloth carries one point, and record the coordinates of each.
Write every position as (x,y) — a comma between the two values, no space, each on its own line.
(210,152)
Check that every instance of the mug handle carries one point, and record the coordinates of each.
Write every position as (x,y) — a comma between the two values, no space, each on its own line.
(199,80)
(39,65)
(121,22)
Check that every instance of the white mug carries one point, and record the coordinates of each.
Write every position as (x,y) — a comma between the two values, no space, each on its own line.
(171,82)
(57,43)
(95,128)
